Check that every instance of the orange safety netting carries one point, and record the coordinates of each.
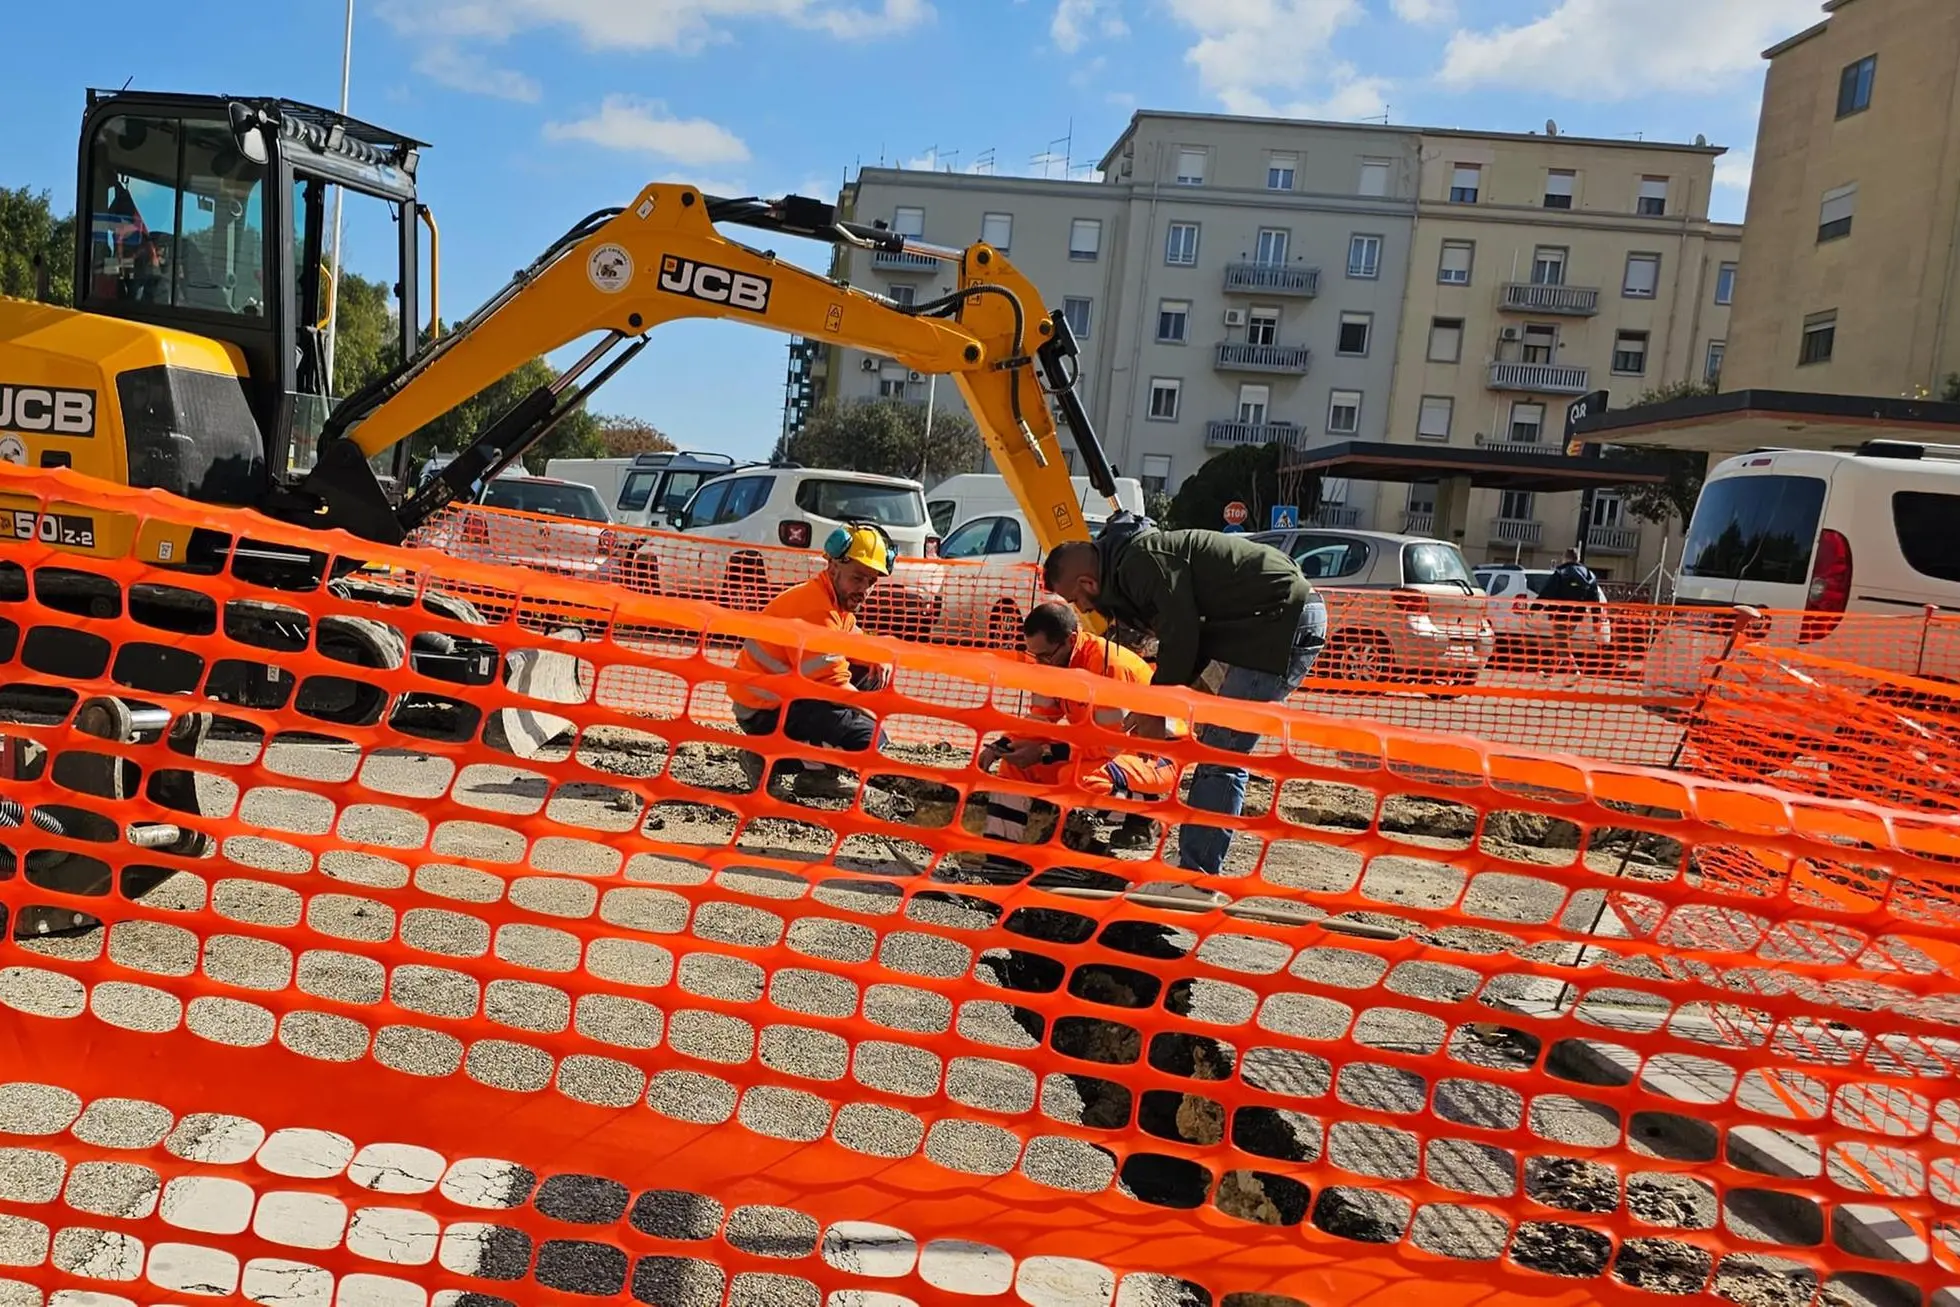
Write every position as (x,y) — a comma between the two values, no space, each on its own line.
(493,979)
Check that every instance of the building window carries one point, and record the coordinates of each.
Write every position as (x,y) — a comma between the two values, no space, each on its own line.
(1077,312)
(1517,506)
(1548,266)
(1364,257)
(1855,86)
(1558,188)
(1279,171)
(909,222)
(905,295)
(1834,214)
(1262,326)
(1181,244)
(1630,353)
(1819,338)
(1433,423)
(1527,422)
(1344,412)
(1454,267)
(1374,176)
(1643,277)
(1190,166)
(1271,249)
(1653,198)
(1466,179)
(1252,404)
(1084,239)
(1608,509)
(1173,320)
(892,380)
(1156,476)
(1164,393)
(1725,284)
(1445,340)
(1712,370)
(1422,497)
(1355,329)
(1540,343)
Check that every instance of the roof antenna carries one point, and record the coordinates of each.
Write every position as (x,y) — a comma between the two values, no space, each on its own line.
(126,81)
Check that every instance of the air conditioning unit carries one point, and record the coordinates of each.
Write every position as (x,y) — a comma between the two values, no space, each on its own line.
(867,364)
(1509,333)
(1235,317)
(915,376)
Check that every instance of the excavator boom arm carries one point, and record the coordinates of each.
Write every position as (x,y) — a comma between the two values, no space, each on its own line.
(662,259)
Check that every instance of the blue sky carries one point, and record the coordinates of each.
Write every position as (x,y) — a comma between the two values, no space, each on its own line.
(542,110)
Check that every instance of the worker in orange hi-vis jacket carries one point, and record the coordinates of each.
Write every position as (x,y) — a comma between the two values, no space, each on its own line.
(856,558)
(1052,636)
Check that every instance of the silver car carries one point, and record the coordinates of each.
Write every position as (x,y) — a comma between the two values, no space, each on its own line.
(1399,608)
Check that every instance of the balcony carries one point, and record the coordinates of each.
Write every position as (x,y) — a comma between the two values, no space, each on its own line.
(1335,515)
(1272,279)
(1571,301)
(1419,524)
(1234,356)
(1617,540)
(903,261)
(1231,435)
(1516,531)
(1512,445)
(1538,378)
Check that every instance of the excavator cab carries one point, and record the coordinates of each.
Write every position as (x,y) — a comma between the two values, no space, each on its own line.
(214,218)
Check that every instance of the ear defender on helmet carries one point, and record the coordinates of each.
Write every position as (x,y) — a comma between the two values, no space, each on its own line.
(861,542)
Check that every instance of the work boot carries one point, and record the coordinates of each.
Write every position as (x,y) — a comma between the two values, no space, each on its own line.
(825,783)
(1137,832)
(752,766)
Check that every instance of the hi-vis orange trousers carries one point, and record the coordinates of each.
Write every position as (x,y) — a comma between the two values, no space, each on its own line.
(1125,776)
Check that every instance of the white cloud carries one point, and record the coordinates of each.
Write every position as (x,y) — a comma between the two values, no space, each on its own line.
(1424,11)
(463,70)
(684,25)
(1624,49)
(1248,51)
(1351,99)
(642,127)
(1074,20)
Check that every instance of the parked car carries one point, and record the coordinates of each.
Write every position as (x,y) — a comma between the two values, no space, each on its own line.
(1399,607)
(986,604)
(962,498)
(1812,537)
(646,489)
(553,526)
(755,527)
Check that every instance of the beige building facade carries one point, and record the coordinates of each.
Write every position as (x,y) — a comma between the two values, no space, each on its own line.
(1544,268)
(1851,251)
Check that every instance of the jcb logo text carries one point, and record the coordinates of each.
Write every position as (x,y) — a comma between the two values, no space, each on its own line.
(43,408)
(704,281)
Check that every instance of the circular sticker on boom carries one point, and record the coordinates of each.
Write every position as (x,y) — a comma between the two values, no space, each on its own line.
(610,268)
(12,450)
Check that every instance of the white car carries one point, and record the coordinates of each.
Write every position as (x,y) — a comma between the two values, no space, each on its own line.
(985,604)
(554,526)
(1824,544)
(1523,623)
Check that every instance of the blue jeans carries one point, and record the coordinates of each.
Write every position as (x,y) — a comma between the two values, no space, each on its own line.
(1222,789)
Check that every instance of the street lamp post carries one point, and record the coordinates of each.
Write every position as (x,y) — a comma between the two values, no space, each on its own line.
(333,305)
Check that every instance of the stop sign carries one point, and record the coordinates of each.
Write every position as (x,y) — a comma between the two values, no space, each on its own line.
(1235,513)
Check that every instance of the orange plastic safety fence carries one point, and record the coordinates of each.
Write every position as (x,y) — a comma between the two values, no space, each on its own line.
(425,936)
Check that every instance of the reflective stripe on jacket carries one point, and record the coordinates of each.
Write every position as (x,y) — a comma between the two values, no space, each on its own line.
(813,602)
(1100,657)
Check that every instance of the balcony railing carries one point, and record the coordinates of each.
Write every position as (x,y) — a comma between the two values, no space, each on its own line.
(1516,531)
(1419,524)
(1234,356)
(1528,297)
(1335,515)
(1613,539)
(1232,434)
(904,261)
(1513,445)
(1538,378)
(1272,278)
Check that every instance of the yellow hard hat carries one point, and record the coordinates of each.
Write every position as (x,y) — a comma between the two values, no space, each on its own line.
(861,542)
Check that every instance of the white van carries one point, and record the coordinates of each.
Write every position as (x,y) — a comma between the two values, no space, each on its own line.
(960,499)
(646,489)
(1811,535)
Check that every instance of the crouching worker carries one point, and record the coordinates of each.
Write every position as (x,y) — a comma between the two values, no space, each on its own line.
(856,558)
(1051,635)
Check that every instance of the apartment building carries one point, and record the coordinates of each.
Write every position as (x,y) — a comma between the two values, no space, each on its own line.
(1545,268)
(1851,251)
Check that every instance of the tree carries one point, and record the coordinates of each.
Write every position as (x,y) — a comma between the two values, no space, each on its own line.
(623,437)
(887,437)
(366,333)
(576,437)
(29,230)
(1249,474)
(1674,497)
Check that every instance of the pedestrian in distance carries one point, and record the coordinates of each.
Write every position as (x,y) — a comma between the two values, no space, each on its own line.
(1232,618)
(1568,592)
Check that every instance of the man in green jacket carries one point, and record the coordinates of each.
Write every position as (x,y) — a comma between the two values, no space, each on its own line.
(1232,618)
